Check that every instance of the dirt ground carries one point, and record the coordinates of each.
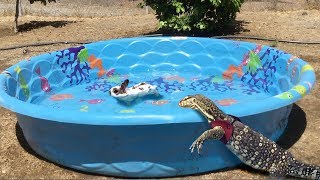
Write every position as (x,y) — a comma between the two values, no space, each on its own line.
(18,161)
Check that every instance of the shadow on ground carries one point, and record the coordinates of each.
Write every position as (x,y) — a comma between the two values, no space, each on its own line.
(40,24)
(232,29)
(297,123)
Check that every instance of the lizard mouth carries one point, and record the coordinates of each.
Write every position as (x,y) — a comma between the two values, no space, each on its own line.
(183,104)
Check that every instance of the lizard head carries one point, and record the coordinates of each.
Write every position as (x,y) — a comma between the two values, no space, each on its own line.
(202,104)
(188,102)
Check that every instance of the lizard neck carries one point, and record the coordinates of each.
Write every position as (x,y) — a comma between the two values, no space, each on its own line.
(213,114)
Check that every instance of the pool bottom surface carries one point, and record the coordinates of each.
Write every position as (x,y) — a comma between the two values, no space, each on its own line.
(93,96)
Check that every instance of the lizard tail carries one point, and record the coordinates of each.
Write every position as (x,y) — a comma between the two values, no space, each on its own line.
(301,170)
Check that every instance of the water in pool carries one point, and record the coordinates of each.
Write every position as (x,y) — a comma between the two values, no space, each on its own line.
(93,96)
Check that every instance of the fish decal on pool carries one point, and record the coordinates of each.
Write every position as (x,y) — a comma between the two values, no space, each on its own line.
(232,69)
(175,78)
(114,79)
(217,79)
(61,97)
(158,102)
(110,72)
(92,101)
(284,95)
(45,86)
(22,82)
(226,102)
(84,108)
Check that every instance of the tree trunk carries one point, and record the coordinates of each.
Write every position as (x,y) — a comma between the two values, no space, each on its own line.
(18,7)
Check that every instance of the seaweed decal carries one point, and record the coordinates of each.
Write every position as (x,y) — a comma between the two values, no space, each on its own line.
(22,82)
(254,62)
(96,63)
(250,59)
(74,66)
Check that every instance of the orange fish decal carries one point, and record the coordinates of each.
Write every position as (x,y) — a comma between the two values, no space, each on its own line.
(226,102)
(96,63)
(232,70)
(61,97)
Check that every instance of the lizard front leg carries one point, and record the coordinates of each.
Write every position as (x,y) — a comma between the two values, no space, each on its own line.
(215,133)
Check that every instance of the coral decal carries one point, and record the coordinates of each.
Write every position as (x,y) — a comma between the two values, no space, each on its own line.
(263,76)
(96,63)
(76,68)
(45,86)
(22,82)
(61,97)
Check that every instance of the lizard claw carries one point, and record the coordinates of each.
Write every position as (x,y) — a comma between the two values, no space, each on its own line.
(196,144)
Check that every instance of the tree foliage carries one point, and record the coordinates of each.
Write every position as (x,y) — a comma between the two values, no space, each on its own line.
(194,15)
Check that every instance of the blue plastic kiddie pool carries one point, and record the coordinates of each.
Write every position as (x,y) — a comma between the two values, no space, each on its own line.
(67,115)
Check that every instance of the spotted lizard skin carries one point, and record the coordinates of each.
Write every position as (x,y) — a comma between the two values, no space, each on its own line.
(251,147)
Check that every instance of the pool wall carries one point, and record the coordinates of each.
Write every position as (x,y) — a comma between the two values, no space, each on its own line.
(142,150)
